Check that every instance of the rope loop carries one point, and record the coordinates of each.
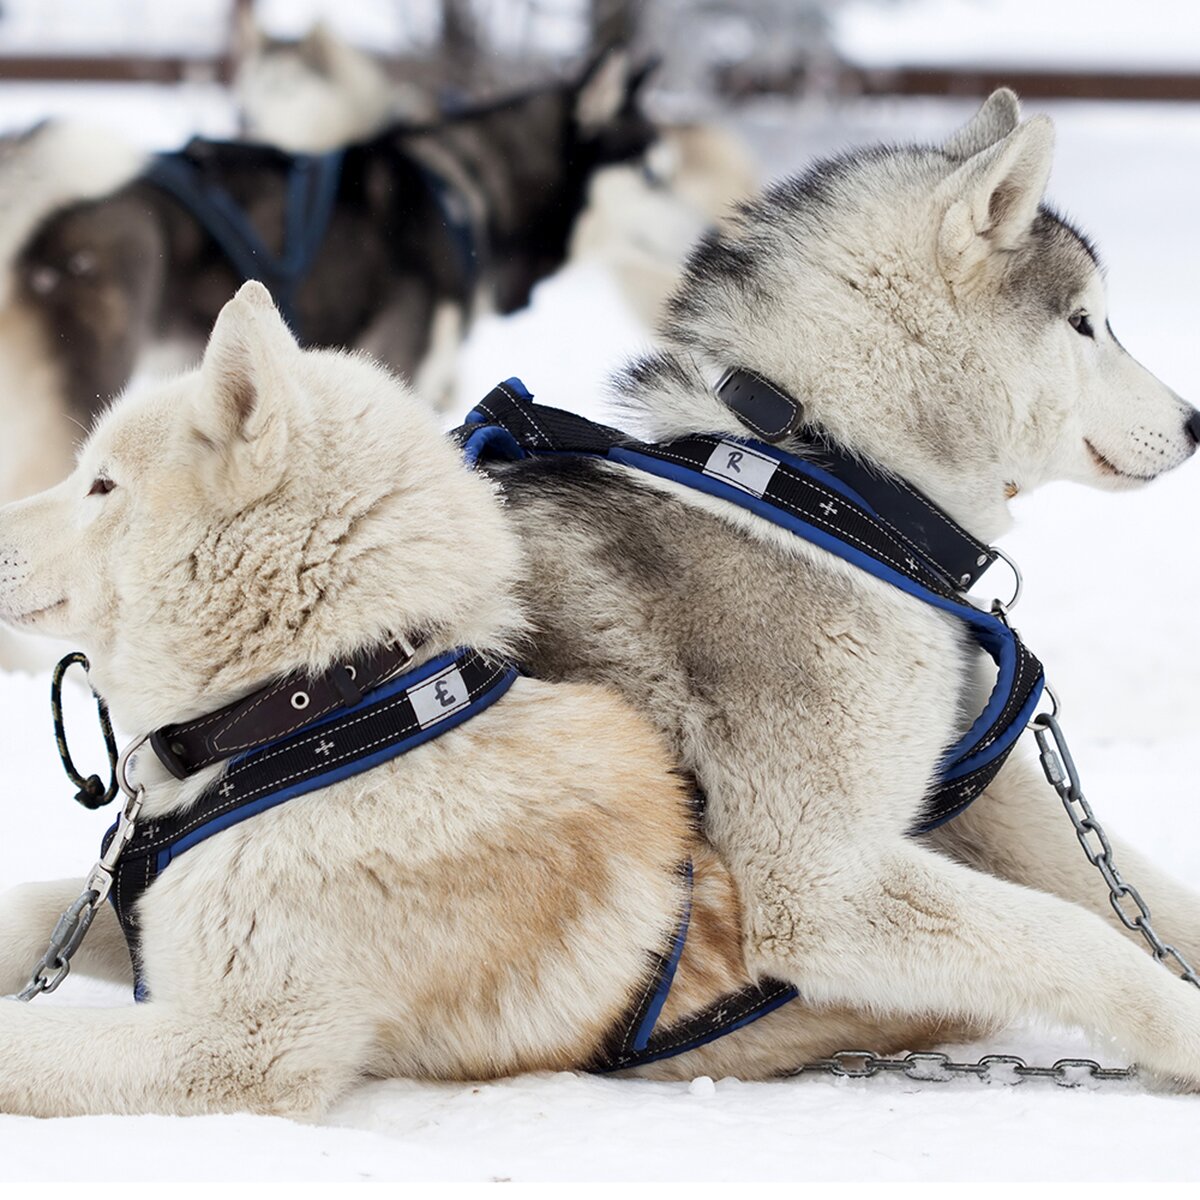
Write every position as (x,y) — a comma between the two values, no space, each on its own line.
(92,792)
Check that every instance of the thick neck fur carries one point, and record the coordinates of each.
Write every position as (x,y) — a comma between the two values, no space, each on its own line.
(392,537)
(824,296)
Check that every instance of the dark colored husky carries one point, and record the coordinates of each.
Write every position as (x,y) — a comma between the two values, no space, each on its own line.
(426,223)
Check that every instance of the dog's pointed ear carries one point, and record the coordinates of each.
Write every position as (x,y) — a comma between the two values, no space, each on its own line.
(249,36)
(246,379)
(321,48)
(608,82)
(989,202)
(997,117)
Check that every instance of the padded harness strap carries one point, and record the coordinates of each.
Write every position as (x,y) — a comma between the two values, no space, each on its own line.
(388,721)
(312,188)
(812,500)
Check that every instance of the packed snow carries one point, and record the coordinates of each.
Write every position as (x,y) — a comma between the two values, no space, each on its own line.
(1110,607)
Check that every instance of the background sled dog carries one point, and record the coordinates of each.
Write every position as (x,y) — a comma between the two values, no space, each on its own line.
(430,223)
(939,320)
(640,221)
(494,907)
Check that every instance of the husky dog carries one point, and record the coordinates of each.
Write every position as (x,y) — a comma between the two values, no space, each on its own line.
(642,220)
(492,906)
(936,318)
(430,223)
(319,92)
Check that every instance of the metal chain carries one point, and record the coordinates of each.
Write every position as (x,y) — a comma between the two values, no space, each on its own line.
(55,965)
(1126,900)
(935,1067)
(1127,903)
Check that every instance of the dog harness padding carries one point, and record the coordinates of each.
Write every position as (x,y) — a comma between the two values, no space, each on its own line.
(820,501)
(392,719)
(313,180)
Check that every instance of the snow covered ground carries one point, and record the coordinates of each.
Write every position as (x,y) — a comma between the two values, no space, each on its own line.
(1110,606)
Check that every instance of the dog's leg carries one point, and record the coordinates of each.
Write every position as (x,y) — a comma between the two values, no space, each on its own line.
(27,917)
(157,1058)
(1018,831)
(903,930)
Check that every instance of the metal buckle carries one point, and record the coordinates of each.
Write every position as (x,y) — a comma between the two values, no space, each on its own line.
(401,643)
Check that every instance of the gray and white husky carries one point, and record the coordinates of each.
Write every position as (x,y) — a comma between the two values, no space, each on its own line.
(935,317)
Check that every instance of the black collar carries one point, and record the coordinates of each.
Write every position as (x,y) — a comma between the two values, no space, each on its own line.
(773,414)
(277,710)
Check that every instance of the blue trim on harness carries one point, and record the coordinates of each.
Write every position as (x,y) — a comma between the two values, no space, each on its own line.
(667,978)
(992,635)
(311,193)
(354,767)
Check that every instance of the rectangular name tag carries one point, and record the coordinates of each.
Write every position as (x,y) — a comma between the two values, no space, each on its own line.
(746,469)
(439,697)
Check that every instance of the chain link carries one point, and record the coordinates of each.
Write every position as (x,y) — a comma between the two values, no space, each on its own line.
(936,1067)
(55,965)
(1132,911)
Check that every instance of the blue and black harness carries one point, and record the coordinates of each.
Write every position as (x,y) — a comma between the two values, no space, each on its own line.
(192,177)
(373,711)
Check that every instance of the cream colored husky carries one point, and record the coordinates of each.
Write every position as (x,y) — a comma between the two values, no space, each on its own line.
(488,903)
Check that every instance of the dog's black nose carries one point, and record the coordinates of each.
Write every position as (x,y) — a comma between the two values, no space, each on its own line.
(1193,426)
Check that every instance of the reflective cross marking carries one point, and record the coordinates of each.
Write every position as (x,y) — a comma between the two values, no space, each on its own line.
(226,789)
(324,747)
(828,509)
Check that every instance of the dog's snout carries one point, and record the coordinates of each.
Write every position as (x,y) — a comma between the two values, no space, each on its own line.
(1193,426)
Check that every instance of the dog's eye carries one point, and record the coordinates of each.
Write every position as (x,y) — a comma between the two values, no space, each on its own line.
(1082,324)
(101,486)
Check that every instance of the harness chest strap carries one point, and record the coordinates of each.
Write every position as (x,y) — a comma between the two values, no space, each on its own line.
(389,720)
(812,500)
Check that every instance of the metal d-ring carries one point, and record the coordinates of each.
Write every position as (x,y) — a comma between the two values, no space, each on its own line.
(130,790)
(999,607)
(1055,708)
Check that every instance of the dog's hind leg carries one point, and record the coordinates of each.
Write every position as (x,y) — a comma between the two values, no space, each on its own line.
(1018,831)
(28,914)
(905,931)
(159,1058)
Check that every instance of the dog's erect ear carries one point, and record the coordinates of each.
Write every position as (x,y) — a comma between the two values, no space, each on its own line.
(321,49)
(991,200)
(997,117)
(246,379)
(606,86)
(248,34)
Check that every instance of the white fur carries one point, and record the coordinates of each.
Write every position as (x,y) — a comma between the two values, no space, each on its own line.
(287,101)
